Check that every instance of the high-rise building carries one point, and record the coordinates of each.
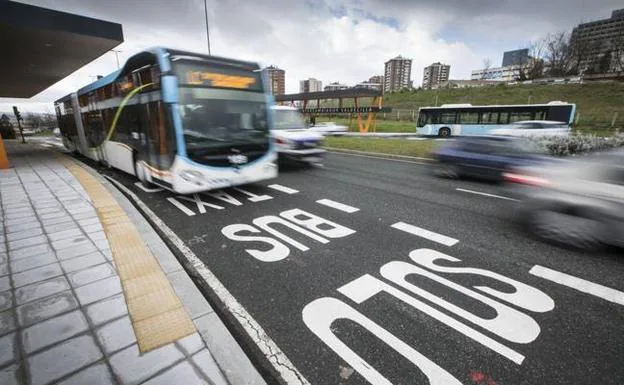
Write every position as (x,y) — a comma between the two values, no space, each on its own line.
(517,57)
(277,80)
(336,86)
(377,79)
(398,74)
(435,74)
(593,40)
(310,85)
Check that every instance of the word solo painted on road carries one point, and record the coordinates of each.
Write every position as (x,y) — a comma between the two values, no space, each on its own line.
(509,325)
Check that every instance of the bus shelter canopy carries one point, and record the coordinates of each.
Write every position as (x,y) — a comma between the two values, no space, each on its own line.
(41,46)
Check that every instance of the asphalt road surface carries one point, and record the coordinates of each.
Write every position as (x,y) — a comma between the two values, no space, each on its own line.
(372,271)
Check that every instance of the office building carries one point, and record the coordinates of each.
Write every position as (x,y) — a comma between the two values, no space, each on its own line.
(594,39)
(508,73)
(517,57)
(277,80)
(397,75)
(435,74)
(310,85)
(336,86)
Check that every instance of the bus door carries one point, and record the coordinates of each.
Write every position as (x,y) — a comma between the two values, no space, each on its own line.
(157,139)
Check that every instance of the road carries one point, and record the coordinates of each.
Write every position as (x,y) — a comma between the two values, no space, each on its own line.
(406,278)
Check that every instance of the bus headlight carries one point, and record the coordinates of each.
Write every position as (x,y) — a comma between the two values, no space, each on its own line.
(192,176)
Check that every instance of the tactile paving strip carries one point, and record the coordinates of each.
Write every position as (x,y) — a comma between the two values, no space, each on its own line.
(157,315)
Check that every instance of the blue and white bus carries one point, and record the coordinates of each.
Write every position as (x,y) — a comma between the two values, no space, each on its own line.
(466,119)
(183,121)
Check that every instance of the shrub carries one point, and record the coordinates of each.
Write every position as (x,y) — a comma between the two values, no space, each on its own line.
(577,144)
(7,132)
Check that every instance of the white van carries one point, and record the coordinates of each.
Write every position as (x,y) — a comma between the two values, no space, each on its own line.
(293,140)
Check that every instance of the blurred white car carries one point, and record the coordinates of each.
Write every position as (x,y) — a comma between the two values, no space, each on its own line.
(293,140)
(329,128)
(534,128)
(56,132)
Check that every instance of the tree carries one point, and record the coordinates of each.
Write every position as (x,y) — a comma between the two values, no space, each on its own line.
(617,47)
(558,54)
(534,68)
(487,64)
(604,64)
(33,120)
(6,127)
(581,54)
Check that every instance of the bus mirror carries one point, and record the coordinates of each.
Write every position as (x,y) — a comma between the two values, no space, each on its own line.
(169,85)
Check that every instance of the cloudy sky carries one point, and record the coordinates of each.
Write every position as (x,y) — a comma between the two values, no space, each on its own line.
(331,40)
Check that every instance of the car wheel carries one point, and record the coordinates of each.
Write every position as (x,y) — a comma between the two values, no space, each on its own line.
(446,170)
(580,232)
(444,132)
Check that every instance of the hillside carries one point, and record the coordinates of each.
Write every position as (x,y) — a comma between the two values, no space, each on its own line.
(597,103)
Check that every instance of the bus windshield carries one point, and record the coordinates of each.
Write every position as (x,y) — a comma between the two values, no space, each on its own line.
(221,105)
(216,118)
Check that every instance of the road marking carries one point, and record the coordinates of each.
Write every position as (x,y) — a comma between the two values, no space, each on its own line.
(148,189)
(382,157)
(179,205)
(283,189)
(281,364)
(420,232)
(579,284)
(486,194)
(338,206)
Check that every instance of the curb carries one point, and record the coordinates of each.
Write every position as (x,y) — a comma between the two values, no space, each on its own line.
(377,154)
(226,350)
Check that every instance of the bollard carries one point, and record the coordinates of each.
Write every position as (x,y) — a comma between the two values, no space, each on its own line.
(4,160)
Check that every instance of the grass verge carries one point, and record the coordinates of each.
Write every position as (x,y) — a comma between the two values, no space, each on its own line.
(418,148)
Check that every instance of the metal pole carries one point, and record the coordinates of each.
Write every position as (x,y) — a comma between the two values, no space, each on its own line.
(207,31)
(116,56)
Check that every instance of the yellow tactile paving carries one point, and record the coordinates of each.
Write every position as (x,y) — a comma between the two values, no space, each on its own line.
(166,326)
(157,315)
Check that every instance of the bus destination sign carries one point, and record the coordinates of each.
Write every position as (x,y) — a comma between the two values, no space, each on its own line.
(213,79)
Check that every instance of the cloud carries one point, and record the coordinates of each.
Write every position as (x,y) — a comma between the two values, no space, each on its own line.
(331,40)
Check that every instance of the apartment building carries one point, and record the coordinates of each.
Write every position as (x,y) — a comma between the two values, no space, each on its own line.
(310,85)
(397,75)
(435,74)
(277,80)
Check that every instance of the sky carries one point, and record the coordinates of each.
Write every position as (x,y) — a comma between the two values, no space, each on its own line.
(330,40)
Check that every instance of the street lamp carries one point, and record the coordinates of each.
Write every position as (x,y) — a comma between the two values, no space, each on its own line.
(116,56)
(207,31)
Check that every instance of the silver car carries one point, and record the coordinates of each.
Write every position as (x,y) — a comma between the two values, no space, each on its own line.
(577,202)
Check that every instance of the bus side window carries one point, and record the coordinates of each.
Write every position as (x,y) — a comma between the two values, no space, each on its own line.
(503,118)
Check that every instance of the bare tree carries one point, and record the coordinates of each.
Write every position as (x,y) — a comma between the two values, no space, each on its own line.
(487,64)
(534,67)
(617,50)
(558,54)
(582,53)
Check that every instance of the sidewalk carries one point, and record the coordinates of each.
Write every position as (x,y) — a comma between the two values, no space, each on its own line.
(89,294)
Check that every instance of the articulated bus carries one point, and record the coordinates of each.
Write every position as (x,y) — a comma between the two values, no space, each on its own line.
(183,121)
(466,119)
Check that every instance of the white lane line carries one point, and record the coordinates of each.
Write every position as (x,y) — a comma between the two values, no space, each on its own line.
(283,189)
(486,194)
(179,205)
(579,284)
(281,363)
(381,157)
(338,206)
(420,232)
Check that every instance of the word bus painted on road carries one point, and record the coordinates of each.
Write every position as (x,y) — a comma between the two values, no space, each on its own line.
(311,225)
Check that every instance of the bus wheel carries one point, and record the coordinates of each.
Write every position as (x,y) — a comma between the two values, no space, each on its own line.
(140,173)
(444,132)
